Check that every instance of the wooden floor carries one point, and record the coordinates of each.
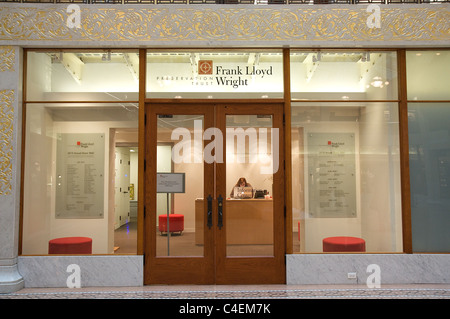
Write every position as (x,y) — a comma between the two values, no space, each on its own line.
(125,239)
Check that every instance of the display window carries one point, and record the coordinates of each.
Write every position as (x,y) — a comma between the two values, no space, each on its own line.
(80,154)
(428,75)
(346,193)
(81,145)
(345,155)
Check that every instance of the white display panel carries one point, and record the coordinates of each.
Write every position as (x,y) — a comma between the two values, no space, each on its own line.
(80,176)
(331,175)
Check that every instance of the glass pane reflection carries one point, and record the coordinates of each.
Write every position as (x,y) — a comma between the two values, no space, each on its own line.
(249,205)
(178,231)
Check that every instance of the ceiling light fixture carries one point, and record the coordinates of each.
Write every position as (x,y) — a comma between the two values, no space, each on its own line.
(377,82)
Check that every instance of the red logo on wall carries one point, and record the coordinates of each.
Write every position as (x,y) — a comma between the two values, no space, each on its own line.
(205,67)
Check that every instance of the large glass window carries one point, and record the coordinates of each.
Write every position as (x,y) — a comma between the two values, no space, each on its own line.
(104,75)
(342,75)
(346,177)
(429,160)
(215,74)
(80,172)
(345,155)
(428,75)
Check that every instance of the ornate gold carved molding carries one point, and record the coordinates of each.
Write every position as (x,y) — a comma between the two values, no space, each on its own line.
(7,58)
(191,24)
(6,139)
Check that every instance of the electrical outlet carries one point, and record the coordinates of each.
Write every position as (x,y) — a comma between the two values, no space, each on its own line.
(351,275)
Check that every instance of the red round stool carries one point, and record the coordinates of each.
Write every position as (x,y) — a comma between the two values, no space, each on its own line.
(343,244)
(176,223)
(70,245)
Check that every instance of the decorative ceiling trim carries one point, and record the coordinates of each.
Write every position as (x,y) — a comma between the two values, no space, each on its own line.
(246,25)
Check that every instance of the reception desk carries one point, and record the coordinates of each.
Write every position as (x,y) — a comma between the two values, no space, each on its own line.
(248,221)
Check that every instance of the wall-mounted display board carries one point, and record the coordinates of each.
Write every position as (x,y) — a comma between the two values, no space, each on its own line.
(331,175)
(80,161)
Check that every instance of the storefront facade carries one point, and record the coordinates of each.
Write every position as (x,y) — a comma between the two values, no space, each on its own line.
(122,121)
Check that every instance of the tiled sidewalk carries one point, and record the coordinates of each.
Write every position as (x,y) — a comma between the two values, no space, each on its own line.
(237,292)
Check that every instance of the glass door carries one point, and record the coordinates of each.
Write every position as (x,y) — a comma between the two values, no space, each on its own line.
(202,225)
(250,191)
(178,243)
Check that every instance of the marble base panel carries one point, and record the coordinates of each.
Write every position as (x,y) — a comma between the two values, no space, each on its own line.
(354,268)
(326,269)
(94,271)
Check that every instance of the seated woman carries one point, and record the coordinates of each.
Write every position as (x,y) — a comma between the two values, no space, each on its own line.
(242,182)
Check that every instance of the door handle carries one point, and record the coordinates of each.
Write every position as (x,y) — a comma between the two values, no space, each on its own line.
(209,222)
(220,211)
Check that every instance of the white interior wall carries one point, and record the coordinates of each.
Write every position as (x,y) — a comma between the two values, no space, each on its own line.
(39,75)
(96,77)
(38,176)
(318,228)
(428,74)
(380,163)
(338,77)
(164,165)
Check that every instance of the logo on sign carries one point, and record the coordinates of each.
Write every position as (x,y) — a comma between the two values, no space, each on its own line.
(205,67)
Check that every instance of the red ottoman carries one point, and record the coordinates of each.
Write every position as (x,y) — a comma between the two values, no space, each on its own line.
(176,223)
(70,245)
(344,244)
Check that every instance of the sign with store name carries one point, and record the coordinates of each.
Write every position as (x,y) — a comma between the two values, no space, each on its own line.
(216,77)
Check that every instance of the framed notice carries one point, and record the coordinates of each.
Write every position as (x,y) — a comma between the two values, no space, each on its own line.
(170,182)
(331,175)
(80,162)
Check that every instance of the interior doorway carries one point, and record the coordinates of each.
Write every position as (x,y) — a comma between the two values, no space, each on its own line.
(125,191)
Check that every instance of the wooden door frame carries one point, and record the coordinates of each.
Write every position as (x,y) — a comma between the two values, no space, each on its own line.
(274,270)
(166,270)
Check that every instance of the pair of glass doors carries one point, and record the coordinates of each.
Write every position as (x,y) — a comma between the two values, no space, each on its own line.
(203,223)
